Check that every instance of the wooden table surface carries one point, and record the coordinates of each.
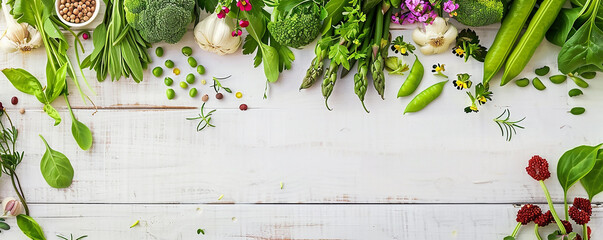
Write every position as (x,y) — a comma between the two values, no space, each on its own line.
(437,174)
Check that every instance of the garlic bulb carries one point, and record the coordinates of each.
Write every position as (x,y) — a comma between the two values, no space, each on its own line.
(436,37)
(18,36)
(11,207)
(215,35)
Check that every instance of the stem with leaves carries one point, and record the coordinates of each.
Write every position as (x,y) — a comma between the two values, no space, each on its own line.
(10,158)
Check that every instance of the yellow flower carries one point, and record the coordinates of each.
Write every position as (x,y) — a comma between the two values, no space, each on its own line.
(482,99)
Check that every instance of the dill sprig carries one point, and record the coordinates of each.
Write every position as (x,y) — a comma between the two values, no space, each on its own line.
(507,127)
(205,119)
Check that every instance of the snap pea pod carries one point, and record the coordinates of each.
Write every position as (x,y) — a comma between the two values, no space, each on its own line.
(425,97)
(539,25)
(413,80)
(506,37)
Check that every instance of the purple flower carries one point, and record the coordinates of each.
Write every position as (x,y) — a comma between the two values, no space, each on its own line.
(450,7)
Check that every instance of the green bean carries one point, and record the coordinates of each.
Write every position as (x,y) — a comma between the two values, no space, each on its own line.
(159,52)
(168,81)
(183,85)
(577,110)
(192,92)
(531,39)
(522,82)
(558,79)
(579,81)
(413,80)
(169,64)
(201,69)
(157,71)
(425,97)
(542,71)
(187,51)
(506,37)
(538,84)
(170,93)
(589,75)
(575,92)
(192,62)
(190,78)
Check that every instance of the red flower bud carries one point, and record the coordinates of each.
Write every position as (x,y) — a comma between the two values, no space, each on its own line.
(538,168)
(528,213)
(581,211)
(243,23)
(544,219)
(568,226)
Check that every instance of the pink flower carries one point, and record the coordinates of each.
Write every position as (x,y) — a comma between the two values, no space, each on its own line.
(225,9)
(243,23)
(223,12)
(236,33)
(450,7)
(244,5)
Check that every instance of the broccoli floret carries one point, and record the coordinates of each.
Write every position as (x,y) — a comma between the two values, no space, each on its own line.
(480,12)
(160,20)
(296,31)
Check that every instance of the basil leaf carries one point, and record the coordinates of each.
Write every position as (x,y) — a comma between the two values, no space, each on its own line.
(81,133)
(53,113)
(575,164)
(592,181)
(25,82)
(30,227)
(335,14)
(561,28)
(582,49)
(56,168)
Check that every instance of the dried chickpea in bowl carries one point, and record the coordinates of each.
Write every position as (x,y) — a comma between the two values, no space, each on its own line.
(77,13)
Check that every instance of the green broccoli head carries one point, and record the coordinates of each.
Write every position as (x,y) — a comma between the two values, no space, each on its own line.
(477,13)
(296,31)
(160,20)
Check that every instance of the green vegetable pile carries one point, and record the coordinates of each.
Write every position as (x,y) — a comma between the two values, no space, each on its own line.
(296,24)
(480,12)
(160,20)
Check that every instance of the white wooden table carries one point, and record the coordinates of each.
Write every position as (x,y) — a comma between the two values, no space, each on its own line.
(438,174)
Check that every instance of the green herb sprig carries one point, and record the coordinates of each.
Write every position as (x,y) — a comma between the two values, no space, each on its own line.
(467,44)
(205,119)
(507,126)
(10,158)
(3,225)
(71,237)
(218,85)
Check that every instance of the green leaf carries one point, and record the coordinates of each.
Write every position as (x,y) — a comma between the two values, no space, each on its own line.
(561,28)
(56,168)
(52,31)
(257,24)
(270,60)
(81,133)
(339,54)
(335,14)
(4,226)
(24,11)
(55,88)
(582,49)
(250,45)
(575,164)
(30,227)
(132,60)
(592,181)
(25,82)
(53,113)
(509,238)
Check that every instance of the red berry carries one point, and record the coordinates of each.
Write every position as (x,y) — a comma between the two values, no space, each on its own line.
(243,107)
(85,36)
(538,168)
(219,96)
(528,213)
(14,100)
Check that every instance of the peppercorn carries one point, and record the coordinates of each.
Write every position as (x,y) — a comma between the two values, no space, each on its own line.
(243,107)
(14,100)
(219,96)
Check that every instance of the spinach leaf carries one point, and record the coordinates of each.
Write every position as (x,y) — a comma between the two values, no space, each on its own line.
(270,59)
(583,51)
(592,181)
(55,88)
(56,168)
(53,113)
(30,227)
(81,133)
(563,26)
(575,164)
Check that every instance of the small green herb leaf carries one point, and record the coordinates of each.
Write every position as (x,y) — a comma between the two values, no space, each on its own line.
(542,71)
(575,92)
(30,227)
(56,168)
(201,231)
(81,133)
(575,164)
(592,181)
(577,110)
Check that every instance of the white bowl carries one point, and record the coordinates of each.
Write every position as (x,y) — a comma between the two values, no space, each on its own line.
(78,25)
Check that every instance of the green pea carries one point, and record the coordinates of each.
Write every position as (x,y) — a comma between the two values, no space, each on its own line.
(170,93)
(187,51)
(413,80)
(577,110)
(157,71)
(192,62)
(169,64)
(575,92)
(557,79)
(159,52)
(201,69)
(538,84)
(183,85)
(192,92)
(425,97)
(522,82)
(579,81)
(190,78)
(542,71)
(168,81)
(589,75)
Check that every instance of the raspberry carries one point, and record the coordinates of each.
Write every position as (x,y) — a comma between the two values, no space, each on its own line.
(538,168)
(544,219)
(528,213)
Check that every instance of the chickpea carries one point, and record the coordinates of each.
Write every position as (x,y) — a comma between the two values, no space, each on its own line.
(92,9)
(77,20)
(89,14)
(86,18)
(63,1)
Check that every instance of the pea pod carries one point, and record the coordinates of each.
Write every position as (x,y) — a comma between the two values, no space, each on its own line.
(425,97)
(539,25)
(538,84)
(506,37)
(413,80)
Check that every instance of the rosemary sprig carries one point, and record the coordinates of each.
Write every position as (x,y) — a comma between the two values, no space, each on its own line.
(71,238)
(217,84)
(10,157)
(507,127)
(205,119)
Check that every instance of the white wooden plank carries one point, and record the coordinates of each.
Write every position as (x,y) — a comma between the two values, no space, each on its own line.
(271,222)
(150,156)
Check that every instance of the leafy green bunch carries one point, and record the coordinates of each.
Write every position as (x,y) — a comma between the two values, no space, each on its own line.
(10,158)
(468,45)
(296,23)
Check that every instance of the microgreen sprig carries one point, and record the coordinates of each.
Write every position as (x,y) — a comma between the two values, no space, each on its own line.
(71,237)
(507,127)
(218,85)
(205,119)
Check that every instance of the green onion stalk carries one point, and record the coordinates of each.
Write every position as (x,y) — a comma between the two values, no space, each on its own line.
(380,43)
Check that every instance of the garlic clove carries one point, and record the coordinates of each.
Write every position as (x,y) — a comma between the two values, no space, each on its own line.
(11,207)
(8,46)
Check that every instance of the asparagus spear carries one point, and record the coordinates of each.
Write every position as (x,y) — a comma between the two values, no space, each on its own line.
(381,40)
